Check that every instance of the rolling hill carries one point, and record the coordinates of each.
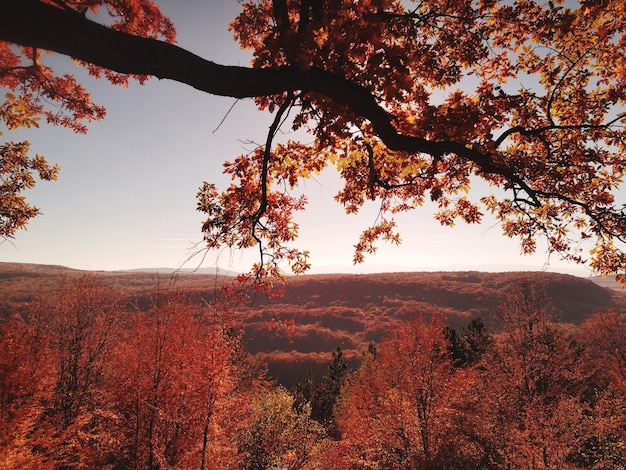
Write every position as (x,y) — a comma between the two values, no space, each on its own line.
(338,310)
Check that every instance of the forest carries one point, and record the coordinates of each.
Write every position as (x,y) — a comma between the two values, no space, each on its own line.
(97,374)
(509,110)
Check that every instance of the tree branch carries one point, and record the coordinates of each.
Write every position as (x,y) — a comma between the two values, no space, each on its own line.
(264,183)
(36,24)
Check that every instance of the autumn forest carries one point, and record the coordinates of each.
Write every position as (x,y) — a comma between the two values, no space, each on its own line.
(511,111)
(104,370)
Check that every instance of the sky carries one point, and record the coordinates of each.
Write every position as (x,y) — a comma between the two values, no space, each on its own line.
(125,197)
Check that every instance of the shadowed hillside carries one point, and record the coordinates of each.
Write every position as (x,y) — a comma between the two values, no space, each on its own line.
(461,295)
(351,311)
(20,282)
(330,311)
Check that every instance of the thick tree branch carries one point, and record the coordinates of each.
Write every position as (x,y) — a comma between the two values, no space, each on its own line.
(35,24)
(267,158)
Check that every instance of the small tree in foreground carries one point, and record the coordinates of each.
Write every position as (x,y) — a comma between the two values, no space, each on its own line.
(86,384)
(398,411)
(281,435)
(532,407)
(604,336)
(67,340)
(184,391)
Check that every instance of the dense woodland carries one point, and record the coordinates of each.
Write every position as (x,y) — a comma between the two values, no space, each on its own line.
(298,330)
(408,104)
(98,371)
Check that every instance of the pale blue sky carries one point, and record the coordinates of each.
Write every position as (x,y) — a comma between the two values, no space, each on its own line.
(125,197)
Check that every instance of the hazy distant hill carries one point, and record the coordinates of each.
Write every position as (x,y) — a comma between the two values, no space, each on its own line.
(20,281)
(609,282)
(168,271)
(352,310)
(328,311)
(461,294)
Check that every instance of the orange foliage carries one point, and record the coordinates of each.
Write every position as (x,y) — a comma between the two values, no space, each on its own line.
(605,333)
(526,96)
(87,383)
(398,410)
(409,102)
(182,392)
(534,400)
(65,408)
(531,400)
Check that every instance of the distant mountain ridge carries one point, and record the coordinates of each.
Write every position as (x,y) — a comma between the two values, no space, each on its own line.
(336,310)
(201,271)
(350,311)
(607,281)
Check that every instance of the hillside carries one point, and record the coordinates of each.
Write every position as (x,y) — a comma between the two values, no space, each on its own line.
(21,281)
(352,310)
(330,311)
(609,282)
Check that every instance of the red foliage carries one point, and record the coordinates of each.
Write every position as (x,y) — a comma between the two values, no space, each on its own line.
(534,400)
(85,383)
(531,398)
(398,411)
(89,385)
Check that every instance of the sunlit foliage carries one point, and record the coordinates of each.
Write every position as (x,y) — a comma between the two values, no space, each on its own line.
(409,101)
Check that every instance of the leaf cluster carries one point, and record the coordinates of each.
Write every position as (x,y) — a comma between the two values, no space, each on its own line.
(525,95)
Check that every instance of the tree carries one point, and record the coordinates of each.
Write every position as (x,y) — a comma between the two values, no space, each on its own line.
(18,170)
(532,407)
(604,335)
(183,392)
(58,401)
(25,378)
(327,393)
(83,328)
(469,346)
(60,100)
(321,397)
(398,411)
(408,102)
(281,436)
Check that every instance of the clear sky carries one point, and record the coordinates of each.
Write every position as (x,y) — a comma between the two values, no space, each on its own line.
(125,197)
